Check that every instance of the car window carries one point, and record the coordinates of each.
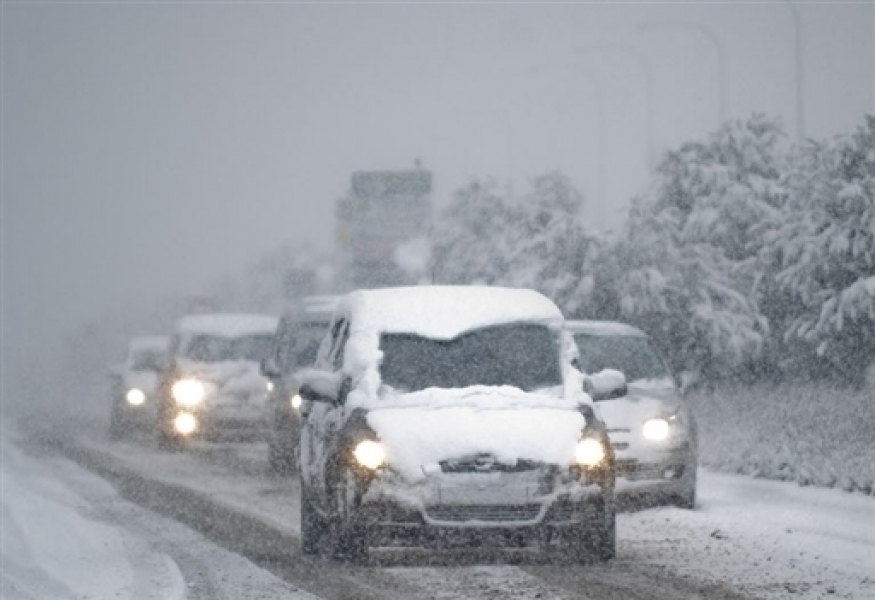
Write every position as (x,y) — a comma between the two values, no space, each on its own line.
(634,356)
(342,335)
(524,355)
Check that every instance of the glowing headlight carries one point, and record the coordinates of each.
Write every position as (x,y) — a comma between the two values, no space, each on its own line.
(135,397)
(269,386)
(296,401)
(370,454)
(185,423)
(655,429)
(589,452)
(188,392)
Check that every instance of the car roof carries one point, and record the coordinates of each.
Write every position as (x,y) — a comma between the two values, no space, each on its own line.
(312,309)
(603,328)
(227,324)
(444,312)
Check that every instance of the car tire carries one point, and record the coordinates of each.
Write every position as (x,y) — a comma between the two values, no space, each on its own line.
(117,426)
(349,541)
(282,459)
(312,526)
(169,442)
(686,499)
(593,543)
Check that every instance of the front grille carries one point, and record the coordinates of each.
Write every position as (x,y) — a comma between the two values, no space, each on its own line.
(632,470)
(459,513)
(485,464)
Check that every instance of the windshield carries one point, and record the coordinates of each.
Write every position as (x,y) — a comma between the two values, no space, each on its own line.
(525,356)
(304,345)
(147,360)
(210,348)
(634,356)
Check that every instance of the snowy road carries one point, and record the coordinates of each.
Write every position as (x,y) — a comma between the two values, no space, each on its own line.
(747,539)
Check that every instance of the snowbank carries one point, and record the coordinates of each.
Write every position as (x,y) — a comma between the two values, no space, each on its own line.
(811,434)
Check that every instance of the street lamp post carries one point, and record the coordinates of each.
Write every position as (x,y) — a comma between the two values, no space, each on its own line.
(718,52)
(800,69)
(642,62)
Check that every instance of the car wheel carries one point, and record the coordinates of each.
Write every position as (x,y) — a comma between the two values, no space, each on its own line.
(686,499)
(312,525)
(117,426)
(169,441)
(282,459)
(349,541)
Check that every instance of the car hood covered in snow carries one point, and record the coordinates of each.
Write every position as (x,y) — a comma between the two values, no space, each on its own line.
(421,429)
(641,403)
(230,378)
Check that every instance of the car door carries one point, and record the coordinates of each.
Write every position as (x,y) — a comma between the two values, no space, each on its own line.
(323,419)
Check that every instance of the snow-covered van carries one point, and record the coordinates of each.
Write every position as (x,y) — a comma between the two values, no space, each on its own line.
(213,387)
(652,429)
(440,415)
(134,386)
(300,332)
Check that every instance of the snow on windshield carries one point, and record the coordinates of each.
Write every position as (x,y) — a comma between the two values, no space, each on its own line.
(521,355)
(632,355)
(210,348)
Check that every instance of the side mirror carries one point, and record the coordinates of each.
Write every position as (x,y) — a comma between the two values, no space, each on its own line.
(269,368)
(318,386)
(605,385)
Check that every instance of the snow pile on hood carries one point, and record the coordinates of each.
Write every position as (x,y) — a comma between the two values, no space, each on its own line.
(227,325)
(606,380)
(419,434)
(231,377)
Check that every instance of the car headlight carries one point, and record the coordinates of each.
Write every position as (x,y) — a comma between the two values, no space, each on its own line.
(269,386)
(185,423)
(296,401)
(370,454)
(188,392)
(135,397)
(655,429)
(589,452)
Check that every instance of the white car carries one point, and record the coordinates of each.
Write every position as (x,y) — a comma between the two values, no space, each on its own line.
(214,388)
(652,430)
(134,386)
(442,415)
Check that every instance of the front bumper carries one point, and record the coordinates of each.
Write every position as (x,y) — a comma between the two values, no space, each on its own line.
(506,509)
(655,476)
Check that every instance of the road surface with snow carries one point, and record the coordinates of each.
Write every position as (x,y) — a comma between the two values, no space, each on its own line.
(746,539)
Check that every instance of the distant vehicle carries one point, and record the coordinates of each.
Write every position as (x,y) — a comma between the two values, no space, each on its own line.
(652,430)
(298,336)
(450,415)
(134,386)
(213,388)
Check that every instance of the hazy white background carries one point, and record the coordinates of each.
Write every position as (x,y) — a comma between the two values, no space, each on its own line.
(148,148)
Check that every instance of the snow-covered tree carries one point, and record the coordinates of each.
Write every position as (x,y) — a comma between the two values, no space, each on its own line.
(685,267)
(821,252)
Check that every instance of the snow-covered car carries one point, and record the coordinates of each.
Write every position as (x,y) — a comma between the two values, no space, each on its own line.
(298,336)
(213,388)
(442,415)
(134,386)
(652,430)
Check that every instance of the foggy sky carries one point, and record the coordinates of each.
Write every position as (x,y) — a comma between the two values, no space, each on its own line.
(150,148)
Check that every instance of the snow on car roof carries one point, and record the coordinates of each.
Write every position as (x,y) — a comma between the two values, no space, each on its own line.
(444,312)
(149,342)
(227,325)
(603,328)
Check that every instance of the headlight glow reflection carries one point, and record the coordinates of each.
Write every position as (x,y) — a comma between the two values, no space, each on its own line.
(188,392)
(135,397)
(185,423)
(656,429)
(296,401)
(370,454)
(589,452)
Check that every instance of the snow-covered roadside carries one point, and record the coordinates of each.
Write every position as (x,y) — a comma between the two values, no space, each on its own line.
(813,434)
(68,535)
(765,538)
